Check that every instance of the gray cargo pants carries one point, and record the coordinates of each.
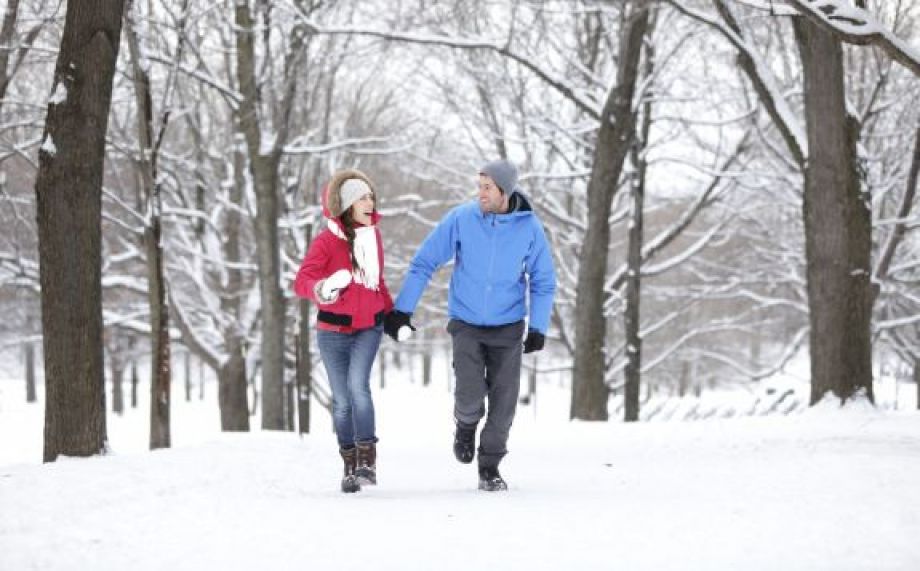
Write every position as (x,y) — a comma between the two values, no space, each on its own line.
(487,363)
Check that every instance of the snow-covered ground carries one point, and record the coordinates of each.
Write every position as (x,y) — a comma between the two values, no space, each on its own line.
(824,489)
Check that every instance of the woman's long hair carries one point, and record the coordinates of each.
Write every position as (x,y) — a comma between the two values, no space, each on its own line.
(348,223)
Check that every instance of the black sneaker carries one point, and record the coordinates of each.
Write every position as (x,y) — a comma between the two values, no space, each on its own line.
(490,480)
(465,442)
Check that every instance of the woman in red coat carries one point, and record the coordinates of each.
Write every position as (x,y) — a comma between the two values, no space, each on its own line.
(343,273)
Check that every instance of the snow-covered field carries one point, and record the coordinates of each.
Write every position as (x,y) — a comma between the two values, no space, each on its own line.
(824,489)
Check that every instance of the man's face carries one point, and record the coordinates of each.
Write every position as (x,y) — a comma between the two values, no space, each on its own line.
(491,199)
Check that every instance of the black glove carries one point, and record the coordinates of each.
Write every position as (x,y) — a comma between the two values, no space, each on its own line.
(394,320)
(534,341)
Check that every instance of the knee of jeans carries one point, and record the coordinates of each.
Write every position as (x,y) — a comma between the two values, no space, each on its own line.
(341,409)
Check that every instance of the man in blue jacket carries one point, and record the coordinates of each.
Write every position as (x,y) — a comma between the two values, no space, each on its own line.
(503,272)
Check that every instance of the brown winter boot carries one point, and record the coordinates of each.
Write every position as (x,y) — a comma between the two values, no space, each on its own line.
(350,483)
(366,470)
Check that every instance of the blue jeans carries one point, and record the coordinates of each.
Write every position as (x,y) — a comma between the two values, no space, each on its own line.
(348,358)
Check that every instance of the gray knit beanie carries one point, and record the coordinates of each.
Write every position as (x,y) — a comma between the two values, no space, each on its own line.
(504,173)
(351,191)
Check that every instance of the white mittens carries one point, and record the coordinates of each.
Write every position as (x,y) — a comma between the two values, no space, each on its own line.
(329,288)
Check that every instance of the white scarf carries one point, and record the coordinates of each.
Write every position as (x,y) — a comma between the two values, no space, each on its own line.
(368,272)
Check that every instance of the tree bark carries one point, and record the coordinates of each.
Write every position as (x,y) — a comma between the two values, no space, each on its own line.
(69,200)
(589,390)
(837,226)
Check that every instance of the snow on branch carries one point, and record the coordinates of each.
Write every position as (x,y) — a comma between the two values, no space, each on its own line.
(857,26)
(758,72)
(300,146)
(18,271)
(559,83)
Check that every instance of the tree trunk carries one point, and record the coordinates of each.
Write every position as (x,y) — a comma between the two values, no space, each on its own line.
(426,369)
(589,390)
(30,371)
(383,370)
(530,399)
(917,379)
(7,33)
(304,377)
(837,226)
(69,200)
(683,382)
(134,382)
(268,252)
(264,170)
(232,398)
(160,367)
(631,315)
(116,366)
(188,376)
(160,364)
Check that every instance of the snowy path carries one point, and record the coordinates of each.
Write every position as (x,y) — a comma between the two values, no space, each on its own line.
(821,490)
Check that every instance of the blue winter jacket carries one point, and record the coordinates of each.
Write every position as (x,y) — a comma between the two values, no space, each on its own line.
(495,255)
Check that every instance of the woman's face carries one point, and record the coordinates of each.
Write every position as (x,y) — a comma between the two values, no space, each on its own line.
(362,209)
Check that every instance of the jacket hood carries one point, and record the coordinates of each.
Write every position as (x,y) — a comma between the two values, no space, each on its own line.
(332,193)
(518,204)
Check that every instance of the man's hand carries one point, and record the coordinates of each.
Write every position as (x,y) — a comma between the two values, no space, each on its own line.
(534,341)
(330,287)
(397,325)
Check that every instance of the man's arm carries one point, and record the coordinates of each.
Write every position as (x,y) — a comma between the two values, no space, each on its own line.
(438,248)
(542,278)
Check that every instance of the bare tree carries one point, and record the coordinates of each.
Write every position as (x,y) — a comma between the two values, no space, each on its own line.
(614,138)
(632,311)
(150,139)
(264,160)
(69,191)
(11,54)
(837,225)
(855,25)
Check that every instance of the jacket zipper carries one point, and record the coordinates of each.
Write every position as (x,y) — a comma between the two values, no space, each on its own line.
(489,278)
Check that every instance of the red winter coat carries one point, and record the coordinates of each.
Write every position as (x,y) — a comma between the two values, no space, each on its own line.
(357,307)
